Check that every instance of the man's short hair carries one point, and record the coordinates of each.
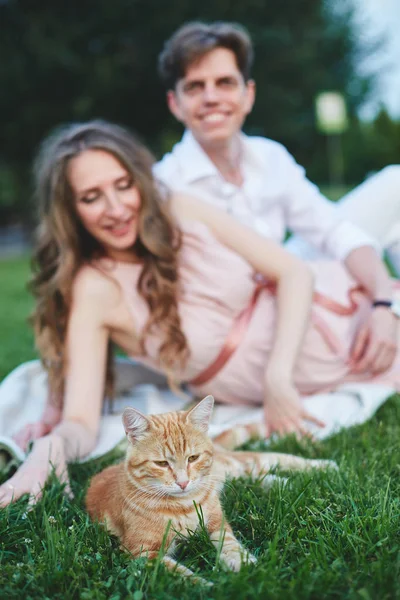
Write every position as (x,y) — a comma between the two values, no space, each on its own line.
(195,39)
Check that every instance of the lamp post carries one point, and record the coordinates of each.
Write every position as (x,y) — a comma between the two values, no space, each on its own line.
(331,119)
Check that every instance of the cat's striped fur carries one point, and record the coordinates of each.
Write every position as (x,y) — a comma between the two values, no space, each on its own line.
(172,467)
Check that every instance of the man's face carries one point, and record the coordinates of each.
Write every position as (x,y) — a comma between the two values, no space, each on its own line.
(212,100)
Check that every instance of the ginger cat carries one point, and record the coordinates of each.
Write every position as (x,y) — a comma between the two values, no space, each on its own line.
(171,468)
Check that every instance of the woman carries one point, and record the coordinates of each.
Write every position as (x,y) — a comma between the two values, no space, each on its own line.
(170,281)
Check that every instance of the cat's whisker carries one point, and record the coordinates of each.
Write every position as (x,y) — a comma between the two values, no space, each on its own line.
(149,495)
(151,499)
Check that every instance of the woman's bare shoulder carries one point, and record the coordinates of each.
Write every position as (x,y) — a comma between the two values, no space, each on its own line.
(93,286)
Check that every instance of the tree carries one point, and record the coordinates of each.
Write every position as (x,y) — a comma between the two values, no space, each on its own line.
(78,60)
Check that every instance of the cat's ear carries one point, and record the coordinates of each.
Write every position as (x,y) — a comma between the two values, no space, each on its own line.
(200,415)
(135,424)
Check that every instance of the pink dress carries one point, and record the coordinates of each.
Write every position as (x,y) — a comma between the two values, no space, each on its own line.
(217,284)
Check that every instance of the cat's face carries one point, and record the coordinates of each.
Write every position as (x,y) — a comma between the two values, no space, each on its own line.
(170,454)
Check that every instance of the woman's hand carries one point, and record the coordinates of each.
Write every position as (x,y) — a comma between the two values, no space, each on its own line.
(34,431)
(30,433)
(30,478)
(284,412)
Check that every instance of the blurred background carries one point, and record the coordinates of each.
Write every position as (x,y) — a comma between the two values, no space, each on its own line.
(82,59)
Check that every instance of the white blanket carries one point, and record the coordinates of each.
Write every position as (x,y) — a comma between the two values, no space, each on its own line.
(23,395)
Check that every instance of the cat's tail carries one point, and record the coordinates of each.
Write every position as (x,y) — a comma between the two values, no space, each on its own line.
(239,435)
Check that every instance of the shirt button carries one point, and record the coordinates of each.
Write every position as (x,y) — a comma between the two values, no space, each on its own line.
(227,189)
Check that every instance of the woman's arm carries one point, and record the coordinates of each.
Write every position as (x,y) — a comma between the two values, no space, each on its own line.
(293,277)
(86,348)
(265,256)
(294,282)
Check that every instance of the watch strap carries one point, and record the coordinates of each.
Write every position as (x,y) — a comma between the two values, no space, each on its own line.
(392,305)
(387,303)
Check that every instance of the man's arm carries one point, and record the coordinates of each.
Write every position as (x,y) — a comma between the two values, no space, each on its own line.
(312,216)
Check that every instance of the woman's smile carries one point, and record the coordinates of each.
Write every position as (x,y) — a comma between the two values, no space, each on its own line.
(120,229)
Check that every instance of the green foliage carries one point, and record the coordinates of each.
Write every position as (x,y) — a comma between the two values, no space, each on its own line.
(369,147)
(80,60)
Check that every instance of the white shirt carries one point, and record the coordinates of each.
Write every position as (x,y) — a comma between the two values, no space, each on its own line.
(275,195)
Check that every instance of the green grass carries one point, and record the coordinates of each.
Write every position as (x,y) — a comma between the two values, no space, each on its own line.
(333,535)
(15,306)
(326,535)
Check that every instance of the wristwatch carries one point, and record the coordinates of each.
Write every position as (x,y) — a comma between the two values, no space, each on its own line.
(392,305)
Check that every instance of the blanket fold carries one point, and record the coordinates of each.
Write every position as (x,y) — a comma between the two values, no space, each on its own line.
(23,395)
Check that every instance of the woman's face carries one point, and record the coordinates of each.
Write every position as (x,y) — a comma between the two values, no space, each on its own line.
(107,200)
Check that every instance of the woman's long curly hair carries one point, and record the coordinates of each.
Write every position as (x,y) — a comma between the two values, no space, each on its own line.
(63,245)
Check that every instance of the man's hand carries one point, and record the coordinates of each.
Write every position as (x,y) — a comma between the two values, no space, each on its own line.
(375,345)
(284,412)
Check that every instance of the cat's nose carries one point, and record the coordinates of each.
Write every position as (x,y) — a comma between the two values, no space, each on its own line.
(183,484)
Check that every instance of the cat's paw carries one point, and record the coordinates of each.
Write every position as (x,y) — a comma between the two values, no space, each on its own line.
(324,465)
(248,558)
(272,480)
(233,559)
(201,581)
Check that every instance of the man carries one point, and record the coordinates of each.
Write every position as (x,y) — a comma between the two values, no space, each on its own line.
(206,70)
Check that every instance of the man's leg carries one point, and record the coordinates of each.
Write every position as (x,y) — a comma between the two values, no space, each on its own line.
(375,207)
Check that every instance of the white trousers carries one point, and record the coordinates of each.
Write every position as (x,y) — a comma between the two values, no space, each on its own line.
(375,207)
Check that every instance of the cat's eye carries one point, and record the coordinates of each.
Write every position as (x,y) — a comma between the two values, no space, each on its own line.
(193,458)
(161,463)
